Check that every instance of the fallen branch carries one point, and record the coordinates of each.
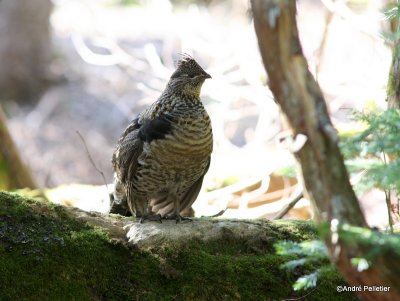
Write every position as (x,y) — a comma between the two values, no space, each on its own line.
(291,203)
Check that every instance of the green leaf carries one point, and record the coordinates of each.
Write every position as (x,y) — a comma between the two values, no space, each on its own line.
(292,264)
(360,263)
(306,281)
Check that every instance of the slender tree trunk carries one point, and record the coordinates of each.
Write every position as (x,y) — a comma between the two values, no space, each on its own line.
(324,174)
(13,172)
(393,100)
(24,48)
(393,86)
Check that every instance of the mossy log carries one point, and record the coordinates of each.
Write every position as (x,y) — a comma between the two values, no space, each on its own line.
(52,252)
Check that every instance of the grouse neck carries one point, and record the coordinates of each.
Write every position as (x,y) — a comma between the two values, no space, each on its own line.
(189,96)
(184,89)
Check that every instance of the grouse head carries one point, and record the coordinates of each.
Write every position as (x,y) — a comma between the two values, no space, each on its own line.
(188,77)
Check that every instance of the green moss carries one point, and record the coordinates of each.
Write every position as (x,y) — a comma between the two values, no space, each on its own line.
(47,256)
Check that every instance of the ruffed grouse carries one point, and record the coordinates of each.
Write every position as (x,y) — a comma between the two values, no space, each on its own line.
(162,156)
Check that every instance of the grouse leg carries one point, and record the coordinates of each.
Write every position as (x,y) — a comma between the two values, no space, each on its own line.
(176,215)
(149,216)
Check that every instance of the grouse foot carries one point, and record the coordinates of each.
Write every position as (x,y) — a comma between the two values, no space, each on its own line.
(179,218)
(150,217)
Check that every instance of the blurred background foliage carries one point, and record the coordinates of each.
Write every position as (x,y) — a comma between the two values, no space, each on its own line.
(91,66)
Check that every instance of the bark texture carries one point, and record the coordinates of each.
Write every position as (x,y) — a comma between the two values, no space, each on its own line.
(315,140)
(24,48)
(393,86)
(13,172)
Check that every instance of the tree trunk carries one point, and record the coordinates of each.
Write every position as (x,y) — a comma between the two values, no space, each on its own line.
(298,94)
(393,85)
(13,172)
(324,174)
(393,100)
(24,48)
